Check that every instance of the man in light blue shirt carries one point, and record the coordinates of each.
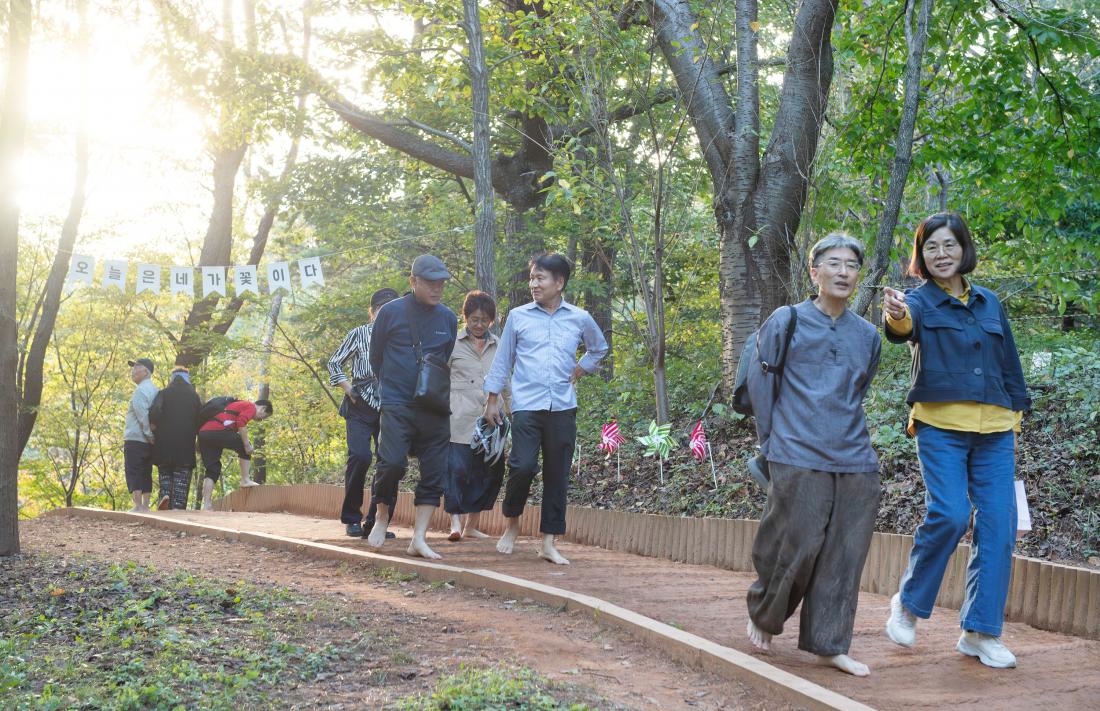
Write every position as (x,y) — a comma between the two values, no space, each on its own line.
(538,350)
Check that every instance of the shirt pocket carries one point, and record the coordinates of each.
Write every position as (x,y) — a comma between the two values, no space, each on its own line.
(943,354)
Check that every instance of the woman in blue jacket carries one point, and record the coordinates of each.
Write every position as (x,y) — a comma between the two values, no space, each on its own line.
(966,400)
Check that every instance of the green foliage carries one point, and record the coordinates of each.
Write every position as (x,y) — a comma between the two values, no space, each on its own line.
(84,634)
(492,690)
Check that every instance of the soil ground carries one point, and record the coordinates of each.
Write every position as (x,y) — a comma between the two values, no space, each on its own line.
(436,630)
(1054,670)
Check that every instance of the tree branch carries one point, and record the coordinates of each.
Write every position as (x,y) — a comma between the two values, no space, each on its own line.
(1059,99)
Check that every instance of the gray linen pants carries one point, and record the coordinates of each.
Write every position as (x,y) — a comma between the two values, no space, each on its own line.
(810,549)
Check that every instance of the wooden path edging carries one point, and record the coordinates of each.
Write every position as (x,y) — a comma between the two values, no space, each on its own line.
(688,648)
(1047,596)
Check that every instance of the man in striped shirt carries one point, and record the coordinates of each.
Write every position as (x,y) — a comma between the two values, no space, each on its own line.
(360,412)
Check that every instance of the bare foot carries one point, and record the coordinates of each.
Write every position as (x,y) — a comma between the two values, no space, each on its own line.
(474,533)
(455,536)
(760,639)
(419,547)
(846,664)
(508,541)
(377,535)
(551,554)
(248,482)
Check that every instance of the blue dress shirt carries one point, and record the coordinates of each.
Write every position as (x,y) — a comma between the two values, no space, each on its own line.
(538,350)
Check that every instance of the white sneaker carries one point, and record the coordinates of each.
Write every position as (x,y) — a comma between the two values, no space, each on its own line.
(902,625)
(989,650)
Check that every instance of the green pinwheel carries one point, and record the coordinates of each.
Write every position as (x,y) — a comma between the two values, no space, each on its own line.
(658,442)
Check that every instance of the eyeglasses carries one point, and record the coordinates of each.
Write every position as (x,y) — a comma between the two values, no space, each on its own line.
(933,248)
(836,265)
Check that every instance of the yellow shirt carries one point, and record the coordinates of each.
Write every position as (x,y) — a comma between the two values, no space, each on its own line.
(962,415)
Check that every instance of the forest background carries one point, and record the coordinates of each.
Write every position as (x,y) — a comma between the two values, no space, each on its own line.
(683,154)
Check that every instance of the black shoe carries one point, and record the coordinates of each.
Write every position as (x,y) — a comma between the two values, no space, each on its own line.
(355,530)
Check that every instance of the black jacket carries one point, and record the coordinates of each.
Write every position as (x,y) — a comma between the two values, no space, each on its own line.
(173,415)
(392,355)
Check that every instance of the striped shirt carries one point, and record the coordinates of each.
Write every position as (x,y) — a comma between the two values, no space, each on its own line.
(356,346)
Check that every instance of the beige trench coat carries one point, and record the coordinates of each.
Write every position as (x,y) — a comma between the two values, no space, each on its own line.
(468,371)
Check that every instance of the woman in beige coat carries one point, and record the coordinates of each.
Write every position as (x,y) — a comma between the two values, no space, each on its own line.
(472,484)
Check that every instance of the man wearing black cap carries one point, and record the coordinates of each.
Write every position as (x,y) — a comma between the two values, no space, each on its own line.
(138,435)
(360,412)
(416,324)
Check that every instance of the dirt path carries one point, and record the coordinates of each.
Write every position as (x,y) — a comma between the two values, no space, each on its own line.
(438,629)
(1056,671)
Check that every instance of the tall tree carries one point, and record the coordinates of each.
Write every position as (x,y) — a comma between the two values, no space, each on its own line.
(245,109)
(485,220)
(13,133)
(916,40)
(758,197)
(42,320)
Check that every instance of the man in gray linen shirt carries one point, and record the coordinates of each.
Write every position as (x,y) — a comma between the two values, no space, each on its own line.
(824,488)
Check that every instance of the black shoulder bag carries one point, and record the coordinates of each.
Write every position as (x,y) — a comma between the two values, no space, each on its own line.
(433,378)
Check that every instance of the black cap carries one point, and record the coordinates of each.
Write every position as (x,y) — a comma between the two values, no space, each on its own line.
(383,296)
(141,361)
(429,267)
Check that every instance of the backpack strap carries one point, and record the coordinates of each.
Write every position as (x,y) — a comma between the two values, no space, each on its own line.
(777,368)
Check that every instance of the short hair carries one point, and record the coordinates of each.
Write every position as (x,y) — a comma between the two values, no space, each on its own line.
(954,222)
(835,240)
(265,403)
(552,262)
(479,301)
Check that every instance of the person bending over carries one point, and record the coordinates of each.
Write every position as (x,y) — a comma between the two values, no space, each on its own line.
(229,430)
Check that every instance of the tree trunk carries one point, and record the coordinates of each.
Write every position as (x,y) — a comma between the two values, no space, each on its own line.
(757,202)
(524,238)
(597,261)
(485,221)
(30,391)
(259,463)
(195,342)
(13,133)
(916,39)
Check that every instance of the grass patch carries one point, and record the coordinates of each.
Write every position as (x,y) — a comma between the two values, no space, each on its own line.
(391,575)
(77,633)
(492,690)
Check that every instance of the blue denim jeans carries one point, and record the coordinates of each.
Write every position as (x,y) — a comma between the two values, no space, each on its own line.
(963,470)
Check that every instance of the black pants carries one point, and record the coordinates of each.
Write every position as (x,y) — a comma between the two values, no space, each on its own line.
(211,446)
(138,463)
(472,483)
(555,434)
(175,483)
(409,430)
(361,422)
